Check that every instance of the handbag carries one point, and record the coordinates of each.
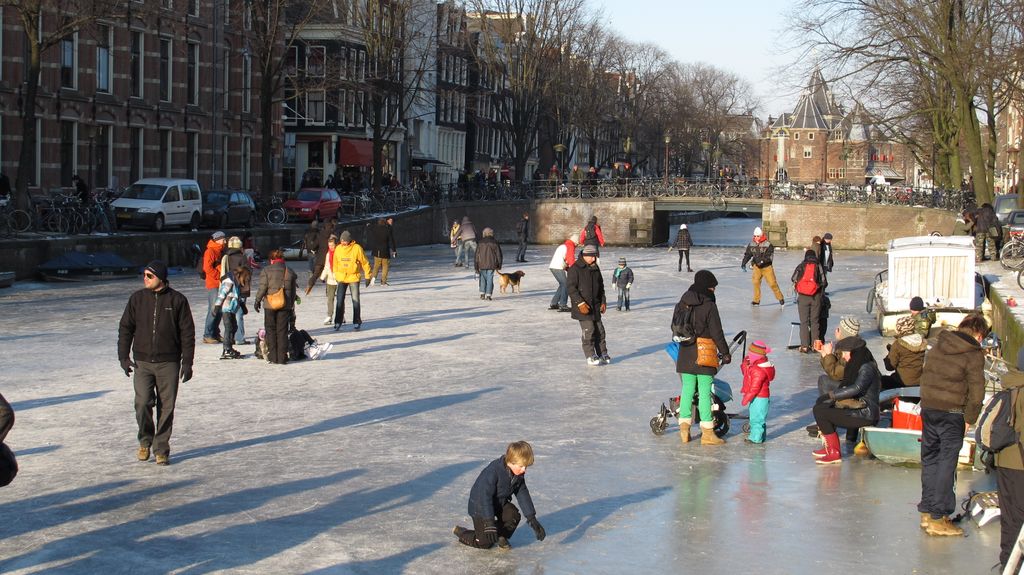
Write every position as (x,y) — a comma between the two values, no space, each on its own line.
(276,301)
(707,352)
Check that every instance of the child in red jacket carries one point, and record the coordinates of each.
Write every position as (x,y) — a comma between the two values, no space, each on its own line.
(758,373)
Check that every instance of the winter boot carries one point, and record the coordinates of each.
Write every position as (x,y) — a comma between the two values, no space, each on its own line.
(823,452)
(832,452)
(943,526)
(684,430)
(926,520)
(707,434)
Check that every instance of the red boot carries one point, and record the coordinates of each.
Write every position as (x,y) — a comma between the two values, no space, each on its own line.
(820,453)
(832,455)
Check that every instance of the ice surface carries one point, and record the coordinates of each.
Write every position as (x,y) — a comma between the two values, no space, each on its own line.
(362,462)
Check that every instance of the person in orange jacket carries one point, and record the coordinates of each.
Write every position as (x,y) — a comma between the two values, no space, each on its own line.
(211,275)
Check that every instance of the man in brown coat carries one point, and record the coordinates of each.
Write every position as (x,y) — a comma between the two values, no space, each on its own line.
(952,389)
(906,361)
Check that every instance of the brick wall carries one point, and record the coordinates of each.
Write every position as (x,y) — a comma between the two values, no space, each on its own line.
(859,227)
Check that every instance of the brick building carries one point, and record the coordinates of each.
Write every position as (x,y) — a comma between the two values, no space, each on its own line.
(819,141)
(163,89)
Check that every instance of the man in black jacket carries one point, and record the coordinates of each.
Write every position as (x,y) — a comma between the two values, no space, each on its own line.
(157,329)
(586,292)
(382,240)
(523,235)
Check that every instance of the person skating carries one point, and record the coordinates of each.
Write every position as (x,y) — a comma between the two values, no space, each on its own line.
(586,292)
(488,259)
(564,258)
(383,240)
(494,516)
(761,252)
(952,391)
(698,379)
(156,340)
(758,373)
(809,283)
(591,235)
(349,260)
(327,276)
(274,278)
(523,235)
(232,259)
(229,301)
(467,234)
(622,279)
(211,277)
(683,243)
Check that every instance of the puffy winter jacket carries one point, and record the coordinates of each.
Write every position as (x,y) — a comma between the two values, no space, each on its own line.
(1010,457)
(494,487)
(706,323)
(756,380)
(761,252)
(488,254)
(157,327)
(348,260)
(906,357)
(865,387)
(585,284)
(953,379)
(272,279)
(211,263)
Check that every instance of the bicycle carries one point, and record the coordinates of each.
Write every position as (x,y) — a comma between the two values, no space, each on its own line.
(12,220)
(1011,256)
(272,212)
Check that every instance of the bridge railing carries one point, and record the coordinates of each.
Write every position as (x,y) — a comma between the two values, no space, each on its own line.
(716,192)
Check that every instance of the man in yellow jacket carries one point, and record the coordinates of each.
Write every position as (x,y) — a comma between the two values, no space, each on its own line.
(348,260)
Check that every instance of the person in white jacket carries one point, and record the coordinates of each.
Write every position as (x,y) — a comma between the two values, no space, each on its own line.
(565,256)
(327,275)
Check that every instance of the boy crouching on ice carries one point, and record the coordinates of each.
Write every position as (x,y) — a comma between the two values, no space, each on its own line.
(758,374)
(490,502)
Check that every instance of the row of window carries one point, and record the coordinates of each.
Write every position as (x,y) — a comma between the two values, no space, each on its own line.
(451,107)
(192,9)
(453,69)
(104,71)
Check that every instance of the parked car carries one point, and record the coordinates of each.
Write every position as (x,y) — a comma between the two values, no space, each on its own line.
(1003,205)
(159,202)
(310,203)
(1014,223)
(228,208)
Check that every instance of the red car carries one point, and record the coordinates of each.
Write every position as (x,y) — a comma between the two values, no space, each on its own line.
(309,203)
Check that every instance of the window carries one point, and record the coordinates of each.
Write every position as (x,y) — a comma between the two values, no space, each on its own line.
(192,155)
(68,132)
(102,141)
(807,151)
(136,146)
(315,56)
(37,158)
(104,58)
(796,135)
(291,66)
(165,153)
(315,107)
(167,4)
(246,82)
(193,73)
(193,7)
(137,60)
(246,157)
(226,73)
(69,61)
(836,173)
(224,157)
(165,69)
(810,135)
(247,15)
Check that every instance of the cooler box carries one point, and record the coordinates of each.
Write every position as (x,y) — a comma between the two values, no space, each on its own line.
(906,415)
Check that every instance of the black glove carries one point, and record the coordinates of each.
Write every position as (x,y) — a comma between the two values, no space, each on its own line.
(186,373)
(825,398)
(538,529)
(489,536)
(726,359)
(127,365)
(256,306)
(245,309)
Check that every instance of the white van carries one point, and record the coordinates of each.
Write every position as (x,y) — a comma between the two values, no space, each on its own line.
(159,202)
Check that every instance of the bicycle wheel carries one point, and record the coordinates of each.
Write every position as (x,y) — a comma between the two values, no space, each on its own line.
(1011,257)
(276,216)
(20,221)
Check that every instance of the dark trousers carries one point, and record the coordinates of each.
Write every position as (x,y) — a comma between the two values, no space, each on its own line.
(891,381)
(1011,509)
(809,307)
(276,322)
(230,327)
(506,525)
(156,385)
(521,253)
(339,305)
(593,337)
(682,254)
(942,437)
(829,418)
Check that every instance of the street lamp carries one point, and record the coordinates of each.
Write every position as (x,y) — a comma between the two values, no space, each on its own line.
(560,148)
(705,146)
(668,140)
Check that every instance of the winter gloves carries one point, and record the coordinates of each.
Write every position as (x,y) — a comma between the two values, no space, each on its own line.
(127,365)
(744,268)
(186,373)
(489,536)
(538,529)
(256,307)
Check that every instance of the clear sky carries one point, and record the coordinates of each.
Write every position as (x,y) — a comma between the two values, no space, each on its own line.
(741,36)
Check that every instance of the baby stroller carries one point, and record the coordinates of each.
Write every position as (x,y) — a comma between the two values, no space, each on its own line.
(721,393)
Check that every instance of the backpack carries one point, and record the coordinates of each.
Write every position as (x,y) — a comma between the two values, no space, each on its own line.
(994,430)
(683,331)
(807,284)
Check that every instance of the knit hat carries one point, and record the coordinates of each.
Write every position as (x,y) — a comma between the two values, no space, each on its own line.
(682,226)
(157,268)
(590,250)
(848,327)
(704,279)
(759,347)
(622,261)
(849,343)
(827,236)
(758,232)
(218,235)
(916,303)
(575,238)
(235,242)
(345,236)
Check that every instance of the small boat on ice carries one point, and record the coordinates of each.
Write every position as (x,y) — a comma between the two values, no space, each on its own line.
(77,266)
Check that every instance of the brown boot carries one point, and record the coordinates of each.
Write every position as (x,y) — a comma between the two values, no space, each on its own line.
(684,430)
(707,435)
(926,519)
(943,527)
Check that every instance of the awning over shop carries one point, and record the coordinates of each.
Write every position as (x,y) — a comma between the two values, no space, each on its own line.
(884,171)
(355,152)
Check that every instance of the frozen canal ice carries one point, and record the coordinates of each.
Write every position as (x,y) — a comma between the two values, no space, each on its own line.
(362,462)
